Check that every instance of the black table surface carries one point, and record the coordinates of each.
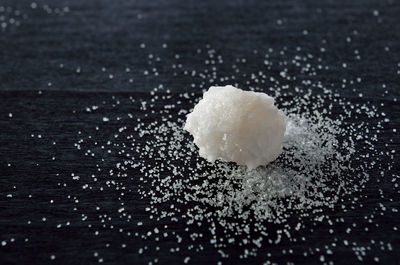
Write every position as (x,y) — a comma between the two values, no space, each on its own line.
(59,57)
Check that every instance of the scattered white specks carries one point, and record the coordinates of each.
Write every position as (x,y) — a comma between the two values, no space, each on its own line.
(329,158)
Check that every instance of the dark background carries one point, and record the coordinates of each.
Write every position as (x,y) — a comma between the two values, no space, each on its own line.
(59,57)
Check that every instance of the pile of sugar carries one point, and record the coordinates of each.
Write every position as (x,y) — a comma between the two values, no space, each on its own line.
(311,173)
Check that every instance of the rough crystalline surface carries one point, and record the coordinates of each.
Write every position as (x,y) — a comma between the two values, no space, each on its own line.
(239,126)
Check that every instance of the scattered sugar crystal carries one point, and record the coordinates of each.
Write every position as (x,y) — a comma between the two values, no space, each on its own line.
(326,163)
(239,126)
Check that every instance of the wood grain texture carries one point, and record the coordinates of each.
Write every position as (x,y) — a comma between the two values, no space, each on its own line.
(97,34)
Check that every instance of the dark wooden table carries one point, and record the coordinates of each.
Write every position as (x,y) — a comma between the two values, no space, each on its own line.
(59,57)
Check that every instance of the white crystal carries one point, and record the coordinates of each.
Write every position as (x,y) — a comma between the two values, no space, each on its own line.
(239,126)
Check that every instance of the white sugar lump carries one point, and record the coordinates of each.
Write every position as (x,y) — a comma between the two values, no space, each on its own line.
(231,124)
